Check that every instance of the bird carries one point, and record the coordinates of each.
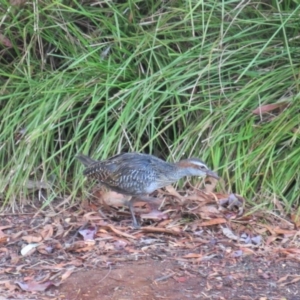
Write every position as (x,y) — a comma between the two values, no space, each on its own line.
(137,174)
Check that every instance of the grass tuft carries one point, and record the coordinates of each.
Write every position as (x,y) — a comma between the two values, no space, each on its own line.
(176,79)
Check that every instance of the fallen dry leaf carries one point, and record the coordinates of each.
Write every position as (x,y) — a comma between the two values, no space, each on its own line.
(247,250)
(284,278)
(68,273)
(289,250)
(34,286)
(285,232)
(154,215)
(164,223)
(207,211)
(180,279)
(271,239)
(5,227)
(9,285)
(228,233)
(161,230)
(296,278)
(193,255)
(90,216)
(59,229)
(32,238)
(113,198)
(115,230)
(269,107)
(4,238)
(213,222)
(16,235)
(199,196)
(45,249)
(80,246)
(172,191)
(296,219)
(14,258)
(4,250)
(47,232)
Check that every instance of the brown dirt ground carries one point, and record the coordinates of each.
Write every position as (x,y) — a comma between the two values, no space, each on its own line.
(150,279)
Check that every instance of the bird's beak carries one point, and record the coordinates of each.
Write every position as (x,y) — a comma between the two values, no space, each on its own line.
(212,174)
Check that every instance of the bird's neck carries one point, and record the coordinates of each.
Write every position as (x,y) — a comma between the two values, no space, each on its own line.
(181,170)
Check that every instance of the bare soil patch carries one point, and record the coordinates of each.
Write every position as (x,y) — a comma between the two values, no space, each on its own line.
(148,279)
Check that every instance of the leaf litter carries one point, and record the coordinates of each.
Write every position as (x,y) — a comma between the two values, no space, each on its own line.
(199,227)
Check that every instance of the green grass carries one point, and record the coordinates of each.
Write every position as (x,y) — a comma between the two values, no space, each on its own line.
(176,79)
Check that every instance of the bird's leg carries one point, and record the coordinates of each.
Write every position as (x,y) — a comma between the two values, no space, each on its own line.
(130,206)
(152,201)
(154,205)
(142,198)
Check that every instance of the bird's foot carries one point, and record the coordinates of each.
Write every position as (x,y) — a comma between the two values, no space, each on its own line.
(136,225)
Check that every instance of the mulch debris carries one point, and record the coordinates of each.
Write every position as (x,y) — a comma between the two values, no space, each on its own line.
(206,238)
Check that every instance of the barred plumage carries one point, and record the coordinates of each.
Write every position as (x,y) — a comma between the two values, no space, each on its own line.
(137,174)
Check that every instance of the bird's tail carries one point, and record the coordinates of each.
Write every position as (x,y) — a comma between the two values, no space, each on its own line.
(86,160)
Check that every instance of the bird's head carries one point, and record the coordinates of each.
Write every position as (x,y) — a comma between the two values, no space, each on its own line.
(196,167)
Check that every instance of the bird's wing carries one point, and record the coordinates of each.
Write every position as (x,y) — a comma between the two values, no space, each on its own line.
(140,174)
(129,177)
(130,173)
